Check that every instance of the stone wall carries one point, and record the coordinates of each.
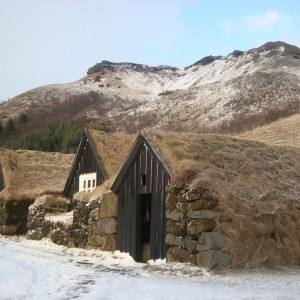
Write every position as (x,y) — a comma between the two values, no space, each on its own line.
(93,223)
(103,224)
(13,216)
(191,221)
(39,226)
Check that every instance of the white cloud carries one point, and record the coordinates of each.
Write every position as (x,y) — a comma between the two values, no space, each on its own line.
(266,21)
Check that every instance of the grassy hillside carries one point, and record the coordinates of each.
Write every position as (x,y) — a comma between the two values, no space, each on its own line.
(284,132)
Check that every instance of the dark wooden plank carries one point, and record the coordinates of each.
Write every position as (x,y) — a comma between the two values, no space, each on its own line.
(88,160)
(133,220)
(143,169)
(153,211)
(120,220)
(149,171)
(77,180)
(124,219)
(138,174)
(130,230)
(127,222)
(138,234)
(159,212)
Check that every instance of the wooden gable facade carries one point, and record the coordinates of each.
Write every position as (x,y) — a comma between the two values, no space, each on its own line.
(141,189)
(86,161)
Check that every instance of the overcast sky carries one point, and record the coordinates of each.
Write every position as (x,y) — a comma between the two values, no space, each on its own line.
(56,41)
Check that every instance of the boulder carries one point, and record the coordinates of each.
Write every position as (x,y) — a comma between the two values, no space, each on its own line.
(109,205)
(174,215)
(190,245)
(202,214)
(208,203)
(177,254)
(110,243)
(175,228)
(213,258)
(174,240)
(103,226)
(198,226)
(210,240)
(95,214)
(193,194)
(96,241)
(171,201)
(59,236)
(183,206)
(93,204)
(79,237)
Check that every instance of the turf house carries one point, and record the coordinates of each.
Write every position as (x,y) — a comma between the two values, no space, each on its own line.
(210,200)
(25,175)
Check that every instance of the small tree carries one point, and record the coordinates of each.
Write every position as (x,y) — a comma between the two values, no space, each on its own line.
(23,118)
(103,127)
(10,127)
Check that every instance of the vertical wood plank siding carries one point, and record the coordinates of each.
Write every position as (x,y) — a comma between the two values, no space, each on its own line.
(129,193)
(87,164)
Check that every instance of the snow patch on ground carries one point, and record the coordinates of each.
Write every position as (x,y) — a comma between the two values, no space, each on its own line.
(42,270)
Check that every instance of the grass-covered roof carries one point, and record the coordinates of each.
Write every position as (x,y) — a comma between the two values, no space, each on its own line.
(28,174)
(258,188)
(112,148)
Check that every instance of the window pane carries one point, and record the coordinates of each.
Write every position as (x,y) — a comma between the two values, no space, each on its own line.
(144,180)
(89,184)
(84,184)
(94,182)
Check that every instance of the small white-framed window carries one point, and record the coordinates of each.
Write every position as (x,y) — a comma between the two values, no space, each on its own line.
(87,182)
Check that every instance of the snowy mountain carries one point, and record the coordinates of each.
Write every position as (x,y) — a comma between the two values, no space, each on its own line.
(232,93)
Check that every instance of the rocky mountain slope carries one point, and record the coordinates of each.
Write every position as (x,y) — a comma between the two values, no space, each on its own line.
(226,94)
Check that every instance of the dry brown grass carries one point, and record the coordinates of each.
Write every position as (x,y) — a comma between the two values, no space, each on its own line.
(258,188)
(177,147)
(284,132)
(28,174)
(112,148)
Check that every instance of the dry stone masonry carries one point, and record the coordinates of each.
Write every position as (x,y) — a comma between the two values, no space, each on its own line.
(102,224)
(91,224)
(95,224)
(39,223)
(191,221)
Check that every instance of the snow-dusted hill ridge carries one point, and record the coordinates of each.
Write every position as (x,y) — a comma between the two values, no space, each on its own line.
(218,93)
